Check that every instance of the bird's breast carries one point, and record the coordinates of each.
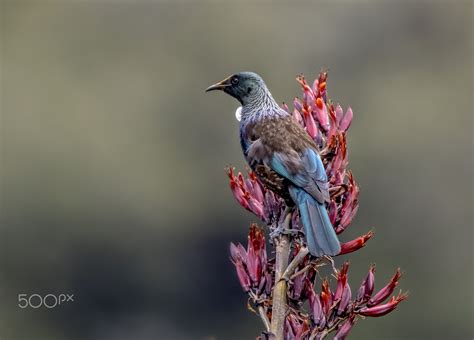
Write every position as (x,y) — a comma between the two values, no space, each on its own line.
(274,182)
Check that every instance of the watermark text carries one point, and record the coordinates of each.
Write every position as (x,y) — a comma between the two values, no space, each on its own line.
(47,301)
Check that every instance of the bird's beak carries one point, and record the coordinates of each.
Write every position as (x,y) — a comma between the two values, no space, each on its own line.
(220,85)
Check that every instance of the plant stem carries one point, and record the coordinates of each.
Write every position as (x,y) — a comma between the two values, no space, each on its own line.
(279,291)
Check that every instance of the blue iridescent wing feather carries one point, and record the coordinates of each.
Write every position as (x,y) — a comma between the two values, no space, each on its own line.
(305,171)
(309,192)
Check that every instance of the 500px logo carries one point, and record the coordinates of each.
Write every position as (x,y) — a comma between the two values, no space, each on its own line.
(49,301)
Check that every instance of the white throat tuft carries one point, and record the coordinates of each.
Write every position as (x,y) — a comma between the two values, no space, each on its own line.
(238,113)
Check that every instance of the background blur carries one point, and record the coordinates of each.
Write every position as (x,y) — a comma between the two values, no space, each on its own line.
(113,186)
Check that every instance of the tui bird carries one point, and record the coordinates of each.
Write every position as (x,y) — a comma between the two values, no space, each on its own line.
(284,157)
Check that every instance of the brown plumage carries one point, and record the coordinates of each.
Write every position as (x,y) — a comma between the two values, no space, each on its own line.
(275,134)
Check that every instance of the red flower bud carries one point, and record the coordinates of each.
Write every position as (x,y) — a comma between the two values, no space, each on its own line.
(345,328)
(345,299)
(356,244)
(326,297)
(236,188)
(239,258)
(386,291)
(341,281)
(295,328)
(367,286)
(386,308)
(316,308)
(256,207)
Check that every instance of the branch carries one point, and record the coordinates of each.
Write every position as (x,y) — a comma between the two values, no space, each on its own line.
(320,335)
(295,263)
(263,315)
(301,271)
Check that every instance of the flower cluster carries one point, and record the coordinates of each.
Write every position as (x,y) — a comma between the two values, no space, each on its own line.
(251,263)
(253,196)
(337,310)
(329,311)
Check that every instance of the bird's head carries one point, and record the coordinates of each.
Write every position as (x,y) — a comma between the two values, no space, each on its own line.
(244,86)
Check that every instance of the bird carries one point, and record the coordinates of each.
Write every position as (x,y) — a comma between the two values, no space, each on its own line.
(284,157)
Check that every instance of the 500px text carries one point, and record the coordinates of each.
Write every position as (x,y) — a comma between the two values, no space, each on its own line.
(49,300)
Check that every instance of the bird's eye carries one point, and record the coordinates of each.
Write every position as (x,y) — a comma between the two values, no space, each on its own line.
(234,81)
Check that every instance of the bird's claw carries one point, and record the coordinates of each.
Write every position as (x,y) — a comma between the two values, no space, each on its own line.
(284,228)
(281,230)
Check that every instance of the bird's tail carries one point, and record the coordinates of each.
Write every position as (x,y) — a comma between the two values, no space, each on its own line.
(320,235)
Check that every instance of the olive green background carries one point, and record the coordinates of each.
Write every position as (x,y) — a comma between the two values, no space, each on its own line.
(112,181)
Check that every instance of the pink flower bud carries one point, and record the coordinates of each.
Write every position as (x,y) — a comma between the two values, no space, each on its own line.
(386,308)
(256,253)
(256,188)
(367,286)
(308,96)
(295,328)
(316,85)
(298,285)
(257,208)
(310,123)
(339,114)
(345,299)
(346,120)
(239,258)
(297,116)
(243,276)
(238,253)
(386,291)
(345,328)
(316,308)
(298,104)
(321,113)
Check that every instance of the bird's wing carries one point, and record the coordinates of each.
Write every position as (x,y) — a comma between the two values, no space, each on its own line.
(287,149)
(305,170)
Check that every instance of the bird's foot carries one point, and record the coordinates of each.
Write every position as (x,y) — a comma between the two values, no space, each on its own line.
(282,230)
